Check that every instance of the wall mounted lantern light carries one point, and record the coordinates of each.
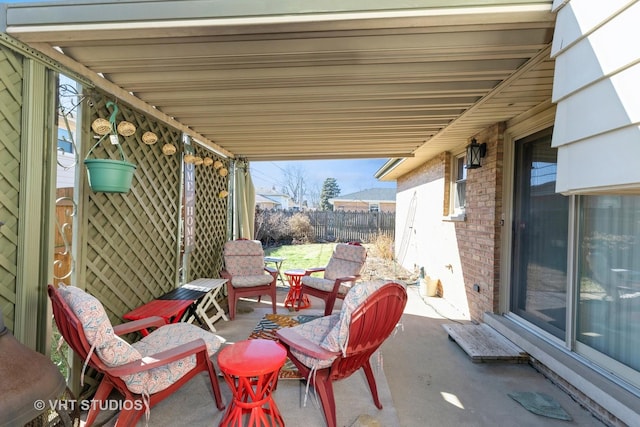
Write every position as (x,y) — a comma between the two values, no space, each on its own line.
(475,152)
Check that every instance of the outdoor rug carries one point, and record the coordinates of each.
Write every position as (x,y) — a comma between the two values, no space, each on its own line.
(266,329)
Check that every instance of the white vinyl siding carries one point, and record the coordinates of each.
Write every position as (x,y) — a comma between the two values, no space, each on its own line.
(596,79)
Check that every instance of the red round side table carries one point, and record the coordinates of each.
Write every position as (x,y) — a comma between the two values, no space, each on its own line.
(294,277)
(251,369)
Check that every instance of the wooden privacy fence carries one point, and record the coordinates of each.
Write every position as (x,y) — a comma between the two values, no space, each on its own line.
(339,226)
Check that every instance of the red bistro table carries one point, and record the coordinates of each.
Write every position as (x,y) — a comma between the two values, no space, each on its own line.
(294,277)
(251,369)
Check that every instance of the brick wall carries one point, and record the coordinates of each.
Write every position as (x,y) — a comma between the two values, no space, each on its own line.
(459,253)
(479,235)
(362,206)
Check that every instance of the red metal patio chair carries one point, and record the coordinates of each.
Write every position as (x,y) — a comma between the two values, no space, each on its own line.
(333,347)
(340,273)
(247,274)
(145,372)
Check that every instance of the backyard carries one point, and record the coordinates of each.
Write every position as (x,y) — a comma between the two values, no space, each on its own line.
(379,264)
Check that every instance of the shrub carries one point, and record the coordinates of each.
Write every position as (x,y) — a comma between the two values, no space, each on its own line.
(384,245)
(272,227)
(301,229)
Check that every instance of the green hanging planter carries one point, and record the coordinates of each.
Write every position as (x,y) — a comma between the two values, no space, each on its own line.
(109,175)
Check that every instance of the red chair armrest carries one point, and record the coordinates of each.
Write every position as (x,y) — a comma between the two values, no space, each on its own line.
(271,270)
(348,278)
(310,271)
(137,325)
(160,359)
(296,341)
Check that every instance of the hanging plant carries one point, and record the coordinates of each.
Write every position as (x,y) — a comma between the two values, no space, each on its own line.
(108,175)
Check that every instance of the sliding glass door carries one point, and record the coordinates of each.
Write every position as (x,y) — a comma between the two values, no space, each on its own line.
(540,233)
(608,312)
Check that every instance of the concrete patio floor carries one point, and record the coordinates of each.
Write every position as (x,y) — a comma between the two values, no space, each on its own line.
(426,380)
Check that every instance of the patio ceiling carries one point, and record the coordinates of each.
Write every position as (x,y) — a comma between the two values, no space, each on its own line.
(279,84)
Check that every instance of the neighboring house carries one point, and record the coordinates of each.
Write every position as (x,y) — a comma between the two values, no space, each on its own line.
(266,203)
(271,199)
(370,200)
(542,242)
(67,158)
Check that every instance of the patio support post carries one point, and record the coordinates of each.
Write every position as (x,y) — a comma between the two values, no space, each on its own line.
(37,201)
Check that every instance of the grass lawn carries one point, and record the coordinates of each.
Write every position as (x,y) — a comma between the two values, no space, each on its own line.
(302,256)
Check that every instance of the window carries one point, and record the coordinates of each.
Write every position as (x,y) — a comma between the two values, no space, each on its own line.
(64,141)
(459,186)
(374,207)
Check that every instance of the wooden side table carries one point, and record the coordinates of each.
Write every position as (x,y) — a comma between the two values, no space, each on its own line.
(278,263)
(251,370)
(294,277)
(212,287)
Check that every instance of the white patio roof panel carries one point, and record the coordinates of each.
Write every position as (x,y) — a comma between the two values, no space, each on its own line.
(269,81)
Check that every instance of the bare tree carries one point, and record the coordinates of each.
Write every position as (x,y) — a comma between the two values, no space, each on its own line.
(294,184)
(315,189)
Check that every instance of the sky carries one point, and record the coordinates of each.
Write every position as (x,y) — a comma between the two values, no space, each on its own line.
(351,175)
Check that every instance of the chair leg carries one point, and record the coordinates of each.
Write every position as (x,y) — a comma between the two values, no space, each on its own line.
(324,389)
(102,393)
(372,383)
(232,305)
(329,303)
(215,385)
(273,301)
(130,414)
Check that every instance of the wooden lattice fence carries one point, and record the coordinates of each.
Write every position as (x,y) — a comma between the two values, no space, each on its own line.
(211,220)
(132,249)
(10,120)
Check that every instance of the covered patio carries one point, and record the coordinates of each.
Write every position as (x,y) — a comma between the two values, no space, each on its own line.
(236,82)
(423,378)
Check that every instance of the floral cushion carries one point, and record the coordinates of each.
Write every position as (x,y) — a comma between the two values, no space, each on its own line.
(332,332)
(323,284)
(244,258)
(315,330)
(339,335)
(164,338)
(250,281)
(347,260)
(110,348)
(114,351)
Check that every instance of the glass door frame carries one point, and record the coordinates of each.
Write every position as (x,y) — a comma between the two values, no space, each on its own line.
(511,137)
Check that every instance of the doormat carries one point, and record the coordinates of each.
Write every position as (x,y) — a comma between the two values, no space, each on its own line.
(266,329)
(540,404)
